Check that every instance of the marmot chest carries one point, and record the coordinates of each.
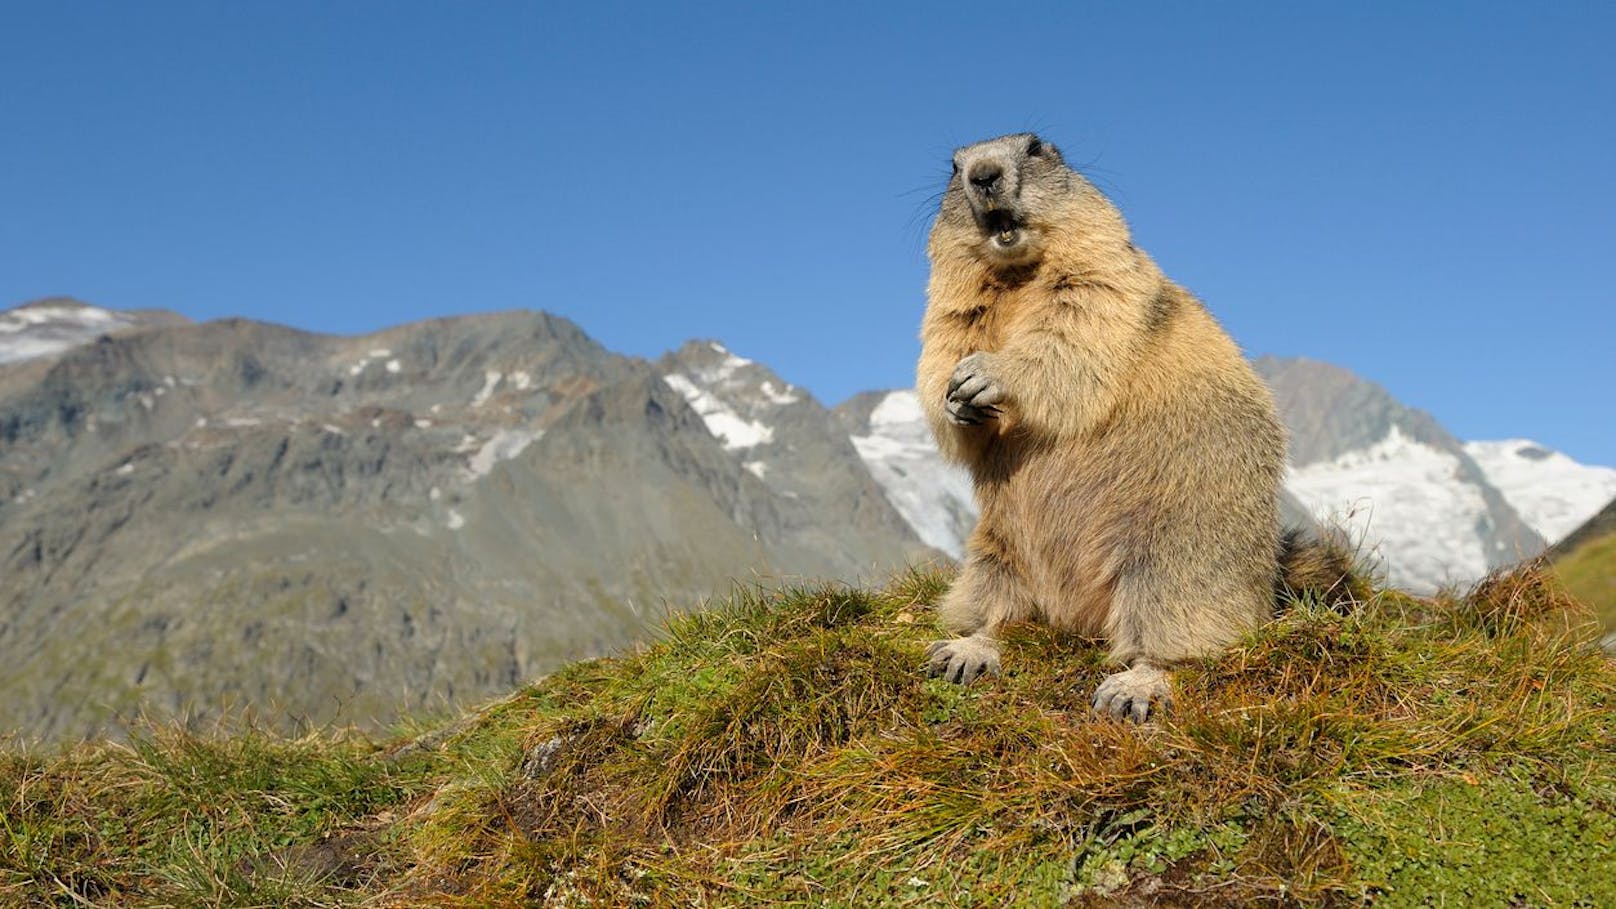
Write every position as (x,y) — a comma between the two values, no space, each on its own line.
(993,318)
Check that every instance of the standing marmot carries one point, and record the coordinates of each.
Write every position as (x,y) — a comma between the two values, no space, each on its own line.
(1127,460)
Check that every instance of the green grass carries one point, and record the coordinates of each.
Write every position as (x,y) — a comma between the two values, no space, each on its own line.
(786,748)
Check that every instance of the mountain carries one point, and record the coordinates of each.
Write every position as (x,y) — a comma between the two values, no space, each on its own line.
(338,529)
(342,528)
(1552,492)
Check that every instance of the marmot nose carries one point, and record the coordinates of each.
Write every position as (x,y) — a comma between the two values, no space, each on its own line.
(985,176)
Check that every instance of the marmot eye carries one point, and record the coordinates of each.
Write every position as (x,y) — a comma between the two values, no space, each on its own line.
(956,168)
(1035,147)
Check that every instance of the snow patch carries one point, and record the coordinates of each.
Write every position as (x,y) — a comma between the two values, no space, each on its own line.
(505,445)
(15,350)
(774,393)
(934,497)
(455,521)
(725,369)
(1552,492)
(46,330)
(490,382)
(16,320)
(757,468)
(1408,505)
(375,354)
(730,427)
(393,366)
(521,380)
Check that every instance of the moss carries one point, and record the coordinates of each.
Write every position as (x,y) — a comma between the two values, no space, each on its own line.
(1478,840)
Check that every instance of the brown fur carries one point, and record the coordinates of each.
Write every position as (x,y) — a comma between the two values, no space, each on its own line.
(1128,479)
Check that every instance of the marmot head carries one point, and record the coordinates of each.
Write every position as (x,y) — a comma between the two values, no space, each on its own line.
(1004,196)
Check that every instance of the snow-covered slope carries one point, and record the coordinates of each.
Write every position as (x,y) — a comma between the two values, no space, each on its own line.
(47,327)
(737,399)
(1406,503)
(933,496)
(1551,491)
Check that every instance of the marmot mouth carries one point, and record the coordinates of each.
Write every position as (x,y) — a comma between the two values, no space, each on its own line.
(1001,225)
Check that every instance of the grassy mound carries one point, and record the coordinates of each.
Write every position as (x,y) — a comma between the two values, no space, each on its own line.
(787,748)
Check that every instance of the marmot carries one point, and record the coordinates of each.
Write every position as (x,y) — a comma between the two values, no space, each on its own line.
(1127,460)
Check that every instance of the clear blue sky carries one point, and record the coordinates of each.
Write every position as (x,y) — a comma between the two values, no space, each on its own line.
(1423,193)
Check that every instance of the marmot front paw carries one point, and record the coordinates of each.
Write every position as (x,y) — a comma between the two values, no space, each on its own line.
(974,393)
(1136,694)
(962,660)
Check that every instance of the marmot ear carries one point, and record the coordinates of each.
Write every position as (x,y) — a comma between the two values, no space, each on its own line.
(1038,148)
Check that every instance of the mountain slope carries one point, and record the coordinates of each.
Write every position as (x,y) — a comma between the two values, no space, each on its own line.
(335,529)
(799,451)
